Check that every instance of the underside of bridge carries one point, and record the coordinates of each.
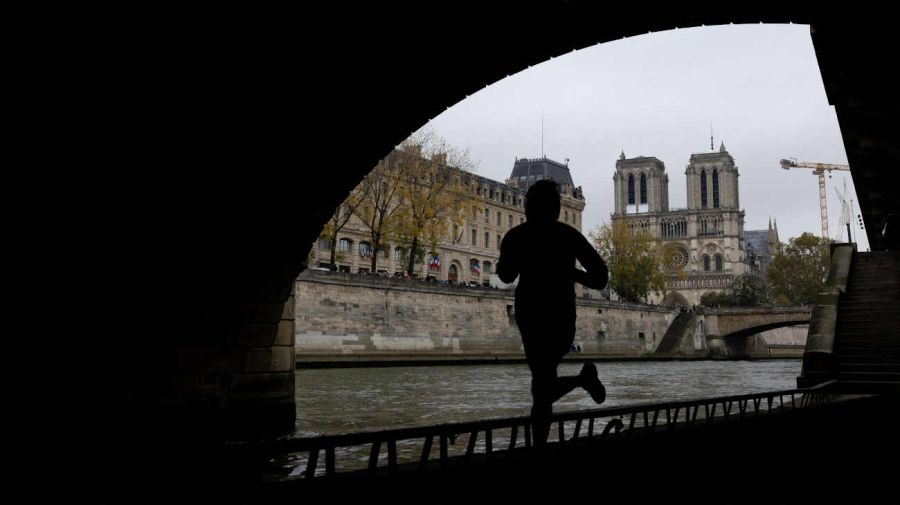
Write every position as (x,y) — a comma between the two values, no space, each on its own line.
(753,330)
(251,130)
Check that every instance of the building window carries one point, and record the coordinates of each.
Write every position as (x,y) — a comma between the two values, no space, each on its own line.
(487,239)
(499,238)
(510,220)
(398,254)
(474,236)
(715,188)
(475,267)
(703,189)
(719,262)
(345,245)
(705,263)
(365,250)
(487,216)
(499,220)
(383,253)
(643,188)
(566,213)
(325,243)
(630,189)
(487,267)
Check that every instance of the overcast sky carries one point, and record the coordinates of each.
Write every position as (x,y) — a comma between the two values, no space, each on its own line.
(656,95)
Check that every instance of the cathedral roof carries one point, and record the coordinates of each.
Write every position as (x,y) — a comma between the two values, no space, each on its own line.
(641,161)
(758,240)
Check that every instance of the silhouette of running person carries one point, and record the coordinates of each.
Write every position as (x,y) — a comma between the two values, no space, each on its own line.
(542,253)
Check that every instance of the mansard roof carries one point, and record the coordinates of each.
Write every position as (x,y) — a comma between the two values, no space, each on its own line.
(540,168)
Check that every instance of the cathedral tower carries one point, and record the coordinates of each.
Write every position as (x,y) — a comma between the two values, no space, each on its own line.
(641,185)
(712,181)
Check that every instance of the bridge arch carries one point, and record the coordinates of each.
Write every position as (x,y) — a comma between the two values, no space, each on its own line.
(675,299)
(753,330)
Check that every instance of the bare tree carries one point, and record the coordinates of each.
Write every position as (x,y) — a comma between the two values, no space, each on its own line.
(379,208)
(435,192)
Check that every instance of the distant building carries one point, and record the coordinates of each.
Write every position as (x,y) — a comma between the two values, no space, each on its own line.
(761,245)
(705,241)
(470,252)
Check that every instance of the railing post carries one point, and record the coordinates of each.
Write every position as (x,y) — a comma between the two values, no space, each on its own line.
(443,450)
(512,438)
(470,447)
(373,456)
(392,456)
(311,463)
(329,461)
(426,452)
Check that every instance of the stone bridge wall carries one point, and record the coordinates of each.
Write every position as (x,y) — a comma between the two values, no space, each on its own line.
(719,325)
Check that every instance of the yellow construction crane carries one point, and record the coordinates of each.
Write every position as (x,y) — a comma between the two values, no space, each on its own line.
(818,169)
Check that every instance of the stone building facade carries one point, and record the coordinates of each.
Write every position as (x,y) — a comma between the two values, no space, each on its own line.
(705,242)
(469,253)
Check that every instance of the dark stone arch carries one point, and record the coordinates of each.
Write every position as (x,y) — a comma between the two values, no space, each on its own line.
(266,241)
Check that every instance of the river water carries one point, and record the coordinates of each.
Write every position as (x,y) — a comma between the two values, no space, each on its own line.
(347,400)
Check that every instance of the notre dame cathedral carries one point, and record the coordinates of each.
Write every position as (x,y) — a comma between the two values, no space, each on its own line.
(706,243)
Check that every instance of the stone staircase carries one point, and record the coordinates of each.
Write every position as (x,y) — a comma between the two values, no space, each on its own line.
(675,334)
(867,336)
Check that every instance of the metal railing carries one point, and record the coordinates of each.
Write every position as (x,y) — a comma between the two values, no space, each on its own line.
(635,420)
